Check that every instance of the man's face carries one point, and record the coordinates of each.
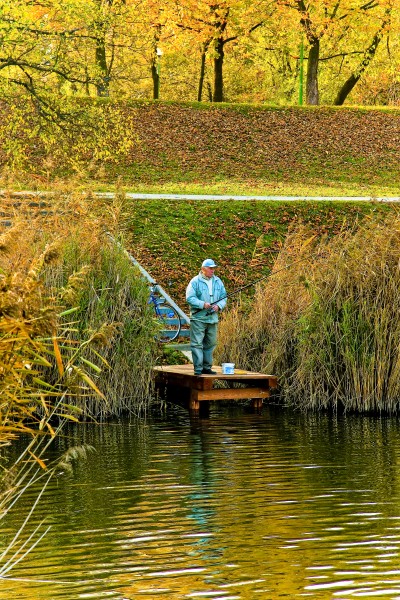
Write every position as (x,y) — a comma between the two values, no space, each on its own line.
(208,271)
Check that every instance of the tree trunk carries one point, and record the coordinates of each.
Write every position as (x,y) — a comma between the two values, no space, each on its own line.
(103,75)
(155,63)
(346,88)
(356,76)
(102,85)
(312,93)
(156,79)
(209,91)
(202,71)
(218,95)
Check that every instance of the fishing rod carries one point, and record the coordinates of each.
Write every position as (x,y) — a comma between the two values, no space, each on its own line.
(210,312)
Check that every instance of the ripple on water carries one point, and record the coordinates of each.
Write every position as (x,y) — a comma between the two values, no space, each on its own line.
(235,506)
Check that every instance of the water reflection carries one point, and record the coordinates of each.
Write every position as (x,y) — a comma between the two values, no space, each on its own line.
(277,505)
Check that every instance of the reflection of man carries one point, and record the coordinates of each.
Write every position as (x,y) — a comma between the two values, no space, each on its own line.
(206,296)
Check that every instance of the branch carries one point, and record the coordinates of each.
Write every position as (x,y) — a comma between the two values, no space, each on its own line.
(260,24)
(235,37)
(229,39)
(335,10)
(23,65)
(342,54)
(40,32)
(46,110)
(364,7)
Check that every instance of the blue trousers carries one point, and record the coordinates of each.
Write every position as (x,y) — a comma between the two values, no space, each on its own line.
(203,339)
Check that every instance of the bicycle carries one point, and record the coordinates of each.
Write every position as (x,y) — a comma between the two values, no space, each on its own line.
(166,315)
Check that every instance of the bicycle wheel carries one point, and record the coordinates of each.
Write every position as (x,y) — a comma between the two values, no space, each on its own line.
(169,322)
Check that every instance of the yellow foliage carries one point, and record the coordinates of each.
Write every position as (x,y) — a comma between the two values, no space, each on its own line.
(34,342)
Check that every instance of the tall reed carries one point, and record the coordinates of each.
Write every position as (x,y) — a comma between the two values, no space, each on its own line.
(73,314)
(328,325)
(112,311)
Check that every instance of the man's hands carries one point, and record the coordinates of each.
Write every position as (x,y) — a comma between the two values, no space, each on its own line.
(213,307)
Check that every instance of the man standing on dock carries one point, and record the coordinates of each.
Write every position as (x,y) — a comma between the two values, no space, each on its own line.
(206,296)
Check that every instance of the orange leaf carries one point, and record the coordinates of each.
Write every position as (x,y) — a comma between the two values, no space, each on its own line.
(58,356)
(39,460)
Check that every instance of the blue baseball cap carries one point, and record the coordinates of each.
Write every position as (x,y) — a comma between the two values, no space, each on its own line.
(209,263)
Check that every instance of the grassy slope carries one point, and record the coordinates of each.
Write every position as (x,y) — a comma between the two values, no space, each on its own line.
(269,149)
(171,238)
(232,149)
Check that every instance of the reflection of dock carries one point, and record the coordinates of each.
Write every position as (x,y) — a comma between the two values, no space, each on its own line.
(254,386)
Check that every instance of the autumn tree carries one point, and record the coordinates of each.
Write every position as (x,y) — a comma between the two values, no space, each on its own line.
(214,24)
(239,48)
(337,20)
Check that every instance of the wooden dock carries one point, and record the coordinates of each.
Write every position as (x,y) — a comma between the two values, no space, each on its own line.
(256,386)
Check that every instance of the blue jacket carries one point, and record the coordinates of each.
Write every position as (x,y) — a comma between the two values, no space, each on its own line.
(197,294)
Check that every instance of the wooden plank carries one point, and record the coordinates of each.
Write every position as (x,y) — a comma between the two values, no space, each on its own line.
(229,394)
(241,376)
(199,383)
(194,404)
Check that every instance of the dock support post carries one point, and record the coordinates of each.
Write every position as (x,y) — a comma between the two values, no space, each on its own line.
(194,403)
(257,403)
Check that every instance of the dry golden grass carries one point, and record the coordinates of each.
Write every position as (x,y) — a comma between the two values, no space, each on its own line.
(328,325)
(253,339)
(71,311)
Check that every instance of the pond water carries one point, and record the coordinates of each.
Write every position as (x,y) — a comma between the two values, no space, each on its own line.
(233,506)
